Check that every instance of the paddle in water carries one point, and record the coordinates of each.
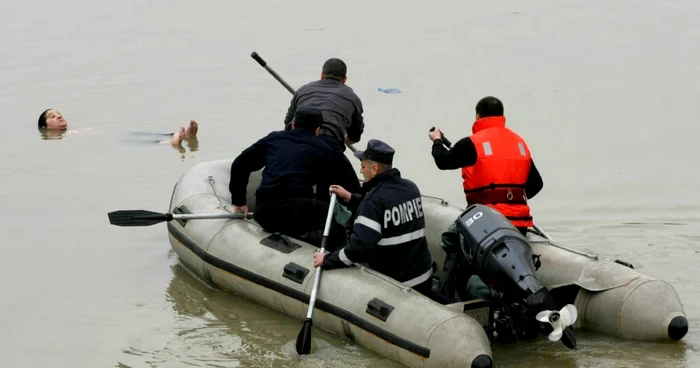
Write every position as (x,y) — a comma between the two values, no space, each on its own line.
(148,218)
(304,337)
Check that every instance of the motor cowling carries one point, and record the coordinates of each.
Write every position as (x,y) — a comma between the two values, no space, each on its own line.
(498,252)
(502,257)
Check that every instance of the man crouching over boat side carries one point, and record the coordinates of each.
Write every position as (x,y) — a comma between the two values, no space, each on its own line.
(388,231)
(295,164)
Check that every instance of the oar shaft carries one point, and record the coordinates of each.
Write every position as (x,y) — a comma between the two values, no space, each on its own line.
(553,244)
(192,216)
(534,226)
(446,141)
(317,279)
(263,64)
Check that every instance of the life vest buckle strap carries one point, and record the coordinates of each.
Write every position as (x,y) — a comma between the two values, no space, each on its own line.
(519,218)
(498,195)
(493,186)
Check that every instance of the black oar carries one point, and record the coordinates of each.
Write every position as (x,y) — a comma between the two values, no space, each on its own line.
(263,64)
(286,85)
(304,337)
(148,218)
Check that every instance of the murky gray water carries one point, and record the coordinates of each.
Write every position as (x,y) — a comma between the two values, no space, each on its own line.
(605,93)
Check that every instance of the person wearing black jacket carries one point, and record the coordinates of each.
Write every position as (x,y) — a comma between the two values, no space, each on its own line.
(342,116)
(388,231)
(291,198)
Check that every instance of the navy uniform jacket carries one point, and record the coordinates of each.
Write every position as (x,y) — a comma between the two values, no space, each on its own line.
(340,106)
(295,161)
(388,233)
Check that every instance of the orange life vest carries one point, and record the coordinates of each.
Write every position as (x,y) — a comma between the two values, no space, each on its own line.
(502,166)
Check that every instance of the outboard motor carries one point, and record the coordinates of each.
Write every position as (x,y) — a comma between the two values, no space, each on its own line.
(502,257)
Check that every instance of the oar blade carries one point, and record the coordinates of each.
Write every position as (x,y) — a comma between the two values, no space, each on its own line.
(304,338)
(136,218)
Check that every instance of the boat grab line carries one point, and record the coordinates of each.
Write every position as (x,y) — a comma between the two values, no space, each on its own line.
(211,183)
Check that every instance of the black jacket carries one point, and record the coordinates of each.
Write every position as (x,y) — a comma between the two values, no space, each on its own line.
(340,106)
(463,154)
(388,232)
(294,160)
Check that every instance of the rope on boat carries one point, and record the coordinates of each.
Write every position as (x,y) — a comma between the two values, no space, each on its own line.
(211,183)
(537,231)
(442,201)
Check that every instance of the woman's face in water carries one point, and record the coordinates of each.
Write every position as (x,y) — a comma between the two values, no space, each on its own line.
(55,121)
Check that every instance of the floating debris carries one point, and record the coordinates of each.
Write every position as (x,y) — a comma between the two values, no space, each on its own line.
(388,90)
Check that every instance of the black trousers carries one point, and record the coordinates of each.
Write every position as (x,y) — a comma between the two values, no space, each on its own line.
(426,288)
(302,218)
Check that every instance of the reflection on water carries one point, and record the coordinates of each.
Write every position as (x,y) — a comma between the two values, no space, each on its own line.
(46,134)
(149,138)
(192,144)
(593,350)
(214,328)
(210,327)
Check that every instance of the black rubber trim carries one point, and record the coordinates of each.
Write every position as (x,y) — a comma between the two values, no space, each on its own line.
(295,272)
(379,309)
(298,295)
(624,263)
(280,243)
(181,210)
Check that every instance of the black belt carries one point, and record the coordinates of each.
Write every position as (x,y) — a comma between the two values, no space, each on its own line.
(498,195)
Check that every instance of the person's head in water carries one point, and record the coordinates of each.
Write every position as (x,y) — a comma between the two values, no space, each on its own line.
(489,106)
(308,118)
(51,119)
(334,68)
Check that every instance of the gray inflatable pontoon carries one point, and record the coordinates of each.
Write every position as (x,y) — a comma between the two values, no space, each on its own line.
(380,313)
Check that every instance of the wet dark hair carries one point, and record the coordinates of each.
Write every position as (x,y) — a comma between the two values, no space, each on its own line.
(489,106)
(334,68)
(42,119)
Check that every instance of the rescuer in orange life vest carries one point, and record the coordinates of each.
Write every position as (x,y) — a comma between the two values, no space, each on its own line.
(497,169)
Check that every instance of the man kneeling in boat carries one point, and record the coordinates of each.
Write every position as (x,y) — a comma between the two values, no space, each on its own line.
(295,164)
(389,225)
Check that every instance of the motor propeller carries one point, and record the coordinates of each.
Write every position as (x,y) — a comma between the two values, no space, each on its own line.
(559,320)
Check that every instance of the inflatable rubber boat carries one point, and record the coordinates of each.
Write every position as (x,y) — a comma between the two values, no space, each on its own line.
(377,312)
